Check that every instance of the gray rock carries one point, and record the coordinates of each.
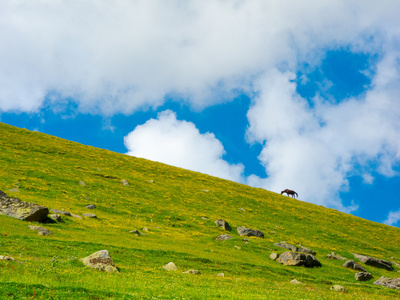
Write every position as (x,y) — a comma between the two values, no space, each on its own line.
(76,216)
(60,212)
(335,256)
(363,276)
(290,258)
(393,283)
(221,275)
(351,264)
(124,182)
(170,267)
(306,250)
(55,217)
(374,262)
(135,232)
(145,229)
(16,208)
(14,190)
(82,183)
(2,194)
(274,256)
(295,281)
(286,246)
(223,237)
(338,288)
(90,206)
(223,224)
(100,260)
(194,272)
(40,230)
(93,216)
(3,257)
(243,231)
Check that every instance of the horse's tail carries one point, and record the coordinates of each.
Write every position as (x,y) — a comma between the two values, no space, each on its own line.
(296,194)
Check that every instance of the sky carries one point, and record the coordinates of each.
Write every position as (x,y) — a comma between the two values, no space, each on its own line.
(282,94)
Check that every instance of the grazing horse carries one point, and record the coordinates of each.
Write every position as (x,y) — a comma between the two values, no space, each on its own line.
(290,192)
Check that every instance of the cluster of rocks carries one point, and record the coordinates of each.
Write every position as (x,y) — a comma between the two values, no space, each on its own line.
(242,231)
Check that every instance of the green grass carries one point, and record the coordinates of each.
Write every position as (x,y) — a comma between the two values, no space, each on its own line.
(170,202)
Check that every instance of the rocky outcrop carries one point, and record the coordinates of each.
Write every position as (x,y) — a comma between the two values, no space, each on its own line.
(243,231)
(223,224)
(351,264)
(223,237)
(374,262)
(40,230)
(363,276)
(100,260)
(290,258)
(393,283)
(16,208)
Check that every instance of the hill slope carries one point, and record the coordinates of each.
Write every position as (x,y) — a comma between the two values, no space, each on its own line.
(178,207)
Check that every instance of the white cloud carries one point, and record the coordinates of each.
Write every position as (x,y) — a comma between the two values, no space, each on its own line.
(315,150)
(393,218)
(119,56)
(179,143)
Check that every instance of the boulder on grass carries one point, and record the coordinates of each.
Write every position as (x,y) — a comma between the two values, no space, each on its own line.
(374,262)
(243,231)
(393,283)
(223,224)
(170,267)
(290,258)
(363,276)
(26,211)
(335,256)
(40,230)
(100,260)
(351,264)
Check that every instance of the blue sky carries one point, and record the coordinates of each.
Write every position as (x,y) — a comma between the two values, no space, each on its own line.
(270,94)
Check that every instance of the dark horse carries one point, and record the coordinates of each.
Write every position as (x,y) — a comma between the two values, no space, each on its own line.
(290,192)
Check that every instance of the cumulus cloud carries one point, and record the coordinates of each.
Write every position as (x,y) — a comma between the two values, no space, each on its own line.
(113,57)
(393,218)
(179,143)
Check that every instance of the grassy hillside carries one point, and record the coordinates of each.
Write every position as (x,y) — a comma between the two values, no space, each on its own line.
(179,208)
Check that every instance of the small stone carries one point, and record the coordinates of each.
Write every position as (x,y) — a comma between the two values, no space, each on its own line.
(363,276)
(237,247)
(243,231)
(338,288)
(335,256)
(90,206)
(55,217)
(40,230)
(205,191)
(242,209)
(205,218)
(124,182)
(92,216)
(76,216)
(3,257)
(274,256)
(150,181)
(246,241)
(221,275)
(170,267)
(82,183)
(194,272)
(223,237)
(14,190)
(135,232)
(145,229)
(295,281)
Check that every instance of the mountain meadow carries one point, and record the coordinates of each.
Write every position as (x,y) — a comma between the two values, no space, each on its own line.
(147,215)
